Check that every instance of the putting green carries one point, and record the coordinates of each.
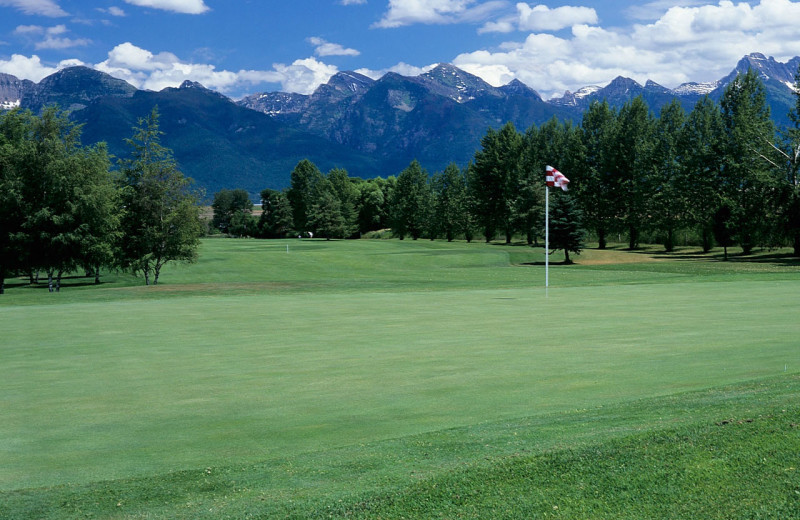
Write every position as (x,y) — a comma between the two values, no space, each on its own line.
(188,377)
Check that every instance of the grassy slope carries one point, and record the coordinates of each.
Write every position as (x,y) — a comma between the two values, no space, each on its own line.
(318,356)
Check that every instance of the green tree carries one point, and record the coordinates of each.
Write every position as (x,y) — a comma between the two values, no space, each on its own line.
(14,144)
(371,206)
(722,227)
(161,222)
(495,181)
(597,190)
(749,159)
(789,154)
(449,199)
(410,202)
(633,166)
(347,193)
(96,201)
(701,168)
(226,205)
(68,199)
(276,215)
(326,219)
(667,202)
(566,231)
(304,179)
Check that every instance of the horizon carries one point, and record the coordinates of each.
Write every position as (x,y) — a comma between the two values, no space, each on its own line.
(556,97)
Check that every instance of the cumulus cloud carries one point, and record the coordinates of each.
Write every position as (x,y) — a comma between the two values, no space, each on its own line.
(36,7)
(326,48)
(152,71)
(408,12)
(404,69)
(542,18)
(32,68)
(177,6)
(685,43)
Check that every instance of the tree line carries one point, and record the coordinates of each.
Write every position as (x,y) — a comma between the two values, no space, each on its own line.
(63,208)
(721,174)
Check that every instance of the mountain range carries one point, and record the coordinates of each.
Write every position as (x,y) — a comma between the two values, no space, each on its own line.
(369,127)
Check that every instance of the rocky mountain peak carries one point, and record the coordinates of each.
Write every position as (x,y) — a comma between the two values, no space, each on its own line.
(458,85)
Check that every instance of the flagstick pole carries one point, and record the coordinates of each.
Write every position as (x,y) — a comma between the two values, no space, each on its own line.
(546,240)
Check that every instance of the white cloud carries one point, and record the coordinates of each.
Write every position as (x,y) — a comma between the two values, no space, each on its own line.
(49,37)
(147,70)
(408,12)
(36,7)
(177,6)
(404,69)
(354,2)
(32,68)
(326,48)
(113,11)
(304,76)
(29,29)
(686,43)
(542,18)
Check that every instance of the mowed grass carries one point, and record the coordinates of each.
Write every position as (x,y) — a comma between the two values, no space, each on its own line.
(257,358)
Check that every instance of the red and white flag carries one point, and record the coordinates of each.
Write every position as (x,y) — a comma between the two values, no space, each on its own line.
(555,178)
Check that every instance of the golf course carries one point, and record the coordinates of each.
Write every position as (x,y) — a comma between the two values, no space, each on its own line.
(406,379)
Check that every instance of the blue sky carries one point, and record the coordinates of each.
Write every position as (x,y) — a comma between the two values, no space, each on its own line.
(240,47)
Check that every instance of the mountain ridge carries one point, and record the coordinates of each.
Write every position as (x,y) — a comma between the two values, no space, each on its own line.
(370,127)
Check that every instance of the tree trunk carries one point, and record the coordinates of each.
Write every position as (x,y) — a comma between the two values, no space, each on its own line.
(601,238)
(2,279)
(669,244)
(566,257)
(633,238)
(58,280)
(796,243)
(725,253)
(708,240)
(147,276)
(49,280)
(97,274)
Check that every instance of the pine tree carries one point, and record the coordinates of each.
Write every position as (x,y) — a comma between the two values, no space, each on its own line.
(701,171)
(410,202)
(566,229)
(667,202)
(749,159)
(598,190)
(495,181)
(633,166)
(449,199)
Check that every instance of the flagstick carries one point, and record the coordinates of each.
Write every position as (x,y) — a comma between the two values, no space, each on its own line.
(546,240)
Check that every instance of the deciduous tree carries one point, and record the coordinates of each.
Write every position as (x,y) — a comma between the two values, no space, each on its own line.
(161,222)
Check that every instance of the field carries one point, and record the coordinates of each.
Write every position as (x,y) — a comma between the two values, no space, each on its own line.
(385,378)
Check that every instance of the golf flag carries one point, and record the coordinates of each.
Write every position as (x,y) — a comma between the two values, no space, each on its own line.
(555,178)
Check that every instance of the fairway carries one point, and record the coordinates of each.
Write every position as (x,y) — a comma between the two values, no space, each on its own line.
(259,351)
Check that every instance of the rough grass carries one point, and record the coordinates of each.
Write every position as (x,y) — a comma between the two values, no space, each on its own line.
(265,383)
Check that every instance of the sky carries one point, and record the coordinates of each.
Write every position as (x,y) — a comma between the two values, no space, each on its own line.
(241,47)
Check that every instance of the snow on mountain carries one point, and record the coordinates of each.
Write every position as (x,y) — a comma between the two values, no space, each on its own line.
(692,88)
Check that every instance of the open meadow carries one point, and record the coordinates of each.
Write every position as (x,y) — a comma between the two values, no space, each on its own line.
(417,379)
